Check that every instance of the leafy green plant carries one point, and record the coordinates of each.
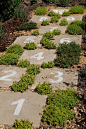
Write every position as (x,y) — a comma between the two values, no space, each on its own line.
(52,13)
(74,30)
(50,1)
(23,63)
(35,33)
(9,59)
(56,32)
(50,64)
(16,49)
(1,33)
(33,69)
(33,2)
(77,9)
(63,22)
(45,22)
(44,41)
(22,124)
(54,19)
(63,3)
(66,13)
(28,26)
(40,10)
(44,88)
(30,46)
(48,35)
(79,23)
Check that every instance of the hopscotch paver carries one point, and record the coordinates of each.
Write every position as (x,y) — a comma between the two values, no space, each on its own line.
(60,11)
(27,105)
(22,40)
(8,74)
(57,77)
(38,56)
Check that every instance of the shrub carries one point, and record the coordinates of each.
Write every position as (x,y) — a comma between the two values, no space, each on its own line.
(23,63)
(54,19)
(22,124)
(77,9)
(34,69)
(78,23)
(33,2)
(52,13)
(40,10)
(9,59)
(48,35)
(45,22)
(63,22)
(50,1)
(16,49)
(28,26)
(56,32)
(44,41)
(44,88)
(63,3)
(1,33)
(30,46)
(66,13)
(74,30)
(50,64)
(36,32)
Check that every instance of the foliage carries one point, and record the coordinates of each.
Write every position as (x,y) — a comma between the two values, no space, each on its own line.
(44,88)
(16,49)
(50,64)
(56,32)
(33,2)
(79,23)
(1,33)
(44,41)
(22,124)
(24,82)
(77,9)
(40,10)
(45,22)
(23,63)
(48,35)
(52,13)
(74,30)
(30,46)
(33,69)
(28,26)
(50,1)
(66,13)
(35,33)
(9,59)
(63,22)
(63,3)
(54,19)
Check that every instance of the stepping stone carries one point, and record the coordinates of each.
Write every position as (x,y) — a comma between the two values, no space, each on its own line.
(60,11)
(8,74)
(44,29)
(57,77)
(67,38)
(22,40)
(27,105)
(38,56)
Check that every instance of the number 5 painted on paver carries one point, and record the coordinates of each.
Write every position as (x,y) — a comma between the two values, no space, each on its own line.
(19,106)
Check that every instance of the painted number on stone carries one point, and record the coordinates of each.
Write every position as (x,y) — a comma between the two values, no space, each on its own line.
(52,28)
(5,78)
(38,56)
(70,19)
(19,106)
(59,11)
(65,40)
(58,76)
(31,39)
(43,18)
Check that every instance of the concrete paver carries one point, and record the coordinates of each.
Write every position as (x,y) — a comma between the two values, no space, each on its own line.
(60,11)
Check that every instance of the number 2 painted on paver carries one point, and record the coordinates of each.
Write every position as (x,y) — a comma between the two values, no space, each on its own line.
(5,78)
(19,106)
(58,76)
(38,56)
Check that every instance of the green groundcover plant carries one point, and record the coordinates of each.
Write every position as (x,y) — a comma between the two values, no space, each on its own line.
(50,64)
(44,88)
(54,19)
(66,13)
(79,23)
(56,32)
(35,33)
(30,46)
(16,49)
(52,13)
(23,63)
(45,22)
(77,9)
(40,10)
(48,35)
(63,22)
(63,3)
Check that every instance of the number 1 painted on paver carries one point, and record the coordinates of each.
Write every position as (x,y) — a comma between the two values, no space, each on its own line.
(19,106)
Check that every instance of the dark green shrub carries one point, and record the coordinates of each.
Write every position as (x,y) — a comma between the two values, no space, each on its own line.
(66,13)
(28,26)
(44,88)
(54,19)
(74,30)
(63,22)
(35,33)
(9,59)
(50,1)
(52,13)
(22,124)
(23,63)
(30,46)
(56,32)
(77,9)
(78,23)
(33,2)
(48,35)
(16,49)
(1,33)
(33,69)
(40,10)
(45,22)
(63,3)
(50,64)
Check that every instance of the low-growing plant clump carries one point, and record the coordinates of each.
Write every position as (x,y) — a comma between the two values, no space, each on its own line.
(63,3)
(40,10)
(16,49)
(9,59)
(79,23)
(66,13)
(56,32)
(48,35)
(74,30)
(35,33)
(23,63)
(77,9)
(22,124)
(63,22)
(45,22)
(50,64)
(44,88)
(52,13)
(30,46)
(54,19)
